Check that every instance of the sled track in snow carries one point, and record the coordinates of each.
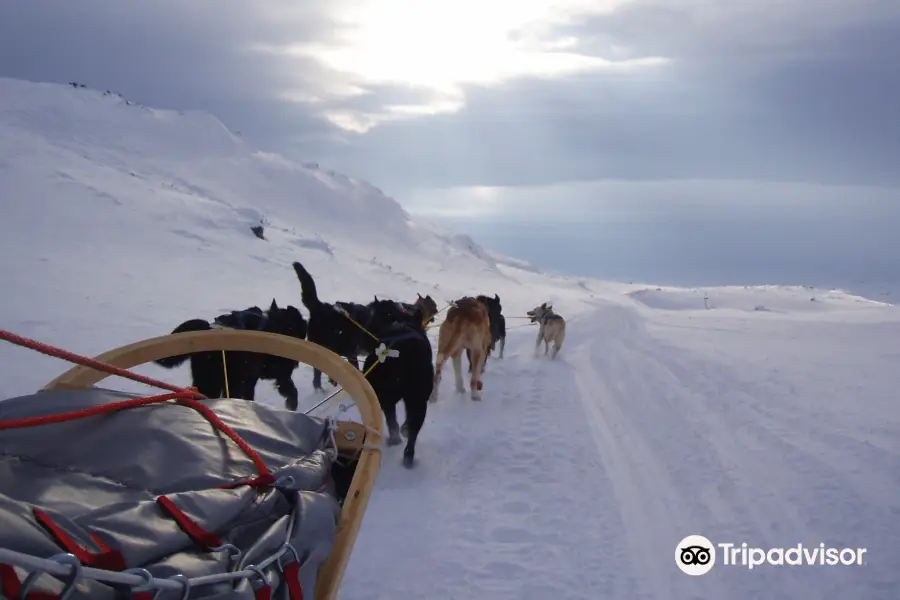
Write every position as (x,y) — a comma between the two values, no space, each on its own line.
(691,448)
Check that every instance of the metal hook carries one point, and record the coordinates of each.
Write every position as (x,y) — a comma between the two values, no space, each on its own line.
(29,583)
(183,579)
(146,585)
(334,450)
(234,553)
(285,549)
(259,573)
(74,578)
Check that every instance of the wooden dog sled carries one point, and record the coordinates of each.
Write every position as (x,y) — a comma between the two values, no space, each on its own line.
(107,495)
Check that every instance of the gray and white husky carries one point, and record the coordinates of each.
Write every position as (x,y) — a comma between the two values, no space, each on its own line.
(553,328)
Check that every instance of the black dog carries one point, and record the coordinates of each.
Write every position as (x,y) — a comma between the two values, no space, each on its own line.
(244,369)
(328,326)
(408,376)
(498,327)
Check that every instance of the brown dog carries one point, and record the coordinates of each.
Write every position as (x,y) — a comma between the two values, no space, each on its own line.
(467,327)
(427,306)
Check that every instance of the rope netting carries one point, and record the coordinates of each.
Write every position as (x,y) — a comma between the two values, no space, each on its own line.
(70,569)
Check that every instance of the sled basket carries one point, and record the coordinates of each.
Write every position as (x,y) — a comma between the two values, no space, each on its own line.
(106,495)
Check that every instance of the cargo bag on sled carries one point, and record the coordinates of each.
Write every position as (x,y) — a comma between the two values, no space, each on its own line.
(163,491)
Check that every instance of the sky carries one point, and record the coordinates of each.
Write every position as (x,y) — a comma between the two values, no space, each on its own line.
(733,119)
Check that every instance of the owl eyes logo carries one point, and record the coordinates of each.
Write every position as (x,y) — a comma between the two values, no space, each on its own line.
(695,555)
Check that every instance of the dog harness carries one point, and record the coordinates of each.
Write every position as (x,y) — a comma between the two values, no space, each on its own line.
(399,337)
(240,316)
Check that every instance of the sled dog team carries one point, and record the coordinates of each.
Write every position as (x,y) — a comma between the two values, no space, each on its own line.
(474,325)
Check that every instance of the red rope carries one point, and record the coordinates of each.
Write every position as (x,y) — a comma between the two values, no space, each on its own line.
(184,396)
(213,418)
(87,412)
(89,362)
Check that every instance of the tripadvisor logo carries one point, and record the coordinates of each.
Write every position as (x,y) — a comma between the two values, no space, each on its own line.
(696,555)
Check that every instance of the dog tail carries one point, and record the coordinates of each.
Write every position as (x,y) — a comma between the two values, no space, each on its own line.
(308,294)
(171,362)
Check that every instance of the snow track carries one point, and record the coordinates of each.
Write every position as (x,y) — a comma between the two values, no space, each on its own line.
(577,478)
(506,501)
(693,447)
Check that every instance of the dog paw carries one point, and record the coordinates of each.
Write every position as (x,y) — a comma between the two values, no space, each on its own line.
(409,461)
(404,430)
(394,440)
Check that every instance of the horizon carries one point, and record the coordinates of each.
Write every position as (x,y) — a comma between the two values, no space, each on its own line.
(684,237)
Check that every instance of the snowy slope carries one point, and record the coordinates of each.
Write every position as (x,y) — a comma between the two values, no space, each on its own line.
(752,415)
(99,194)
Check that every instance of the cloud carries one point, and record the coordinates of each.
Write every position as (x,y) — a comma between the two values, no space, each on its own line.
(174,54)
(442,49)
(795,91)
(710,32)
(435,94)
(331,68)
(660,201)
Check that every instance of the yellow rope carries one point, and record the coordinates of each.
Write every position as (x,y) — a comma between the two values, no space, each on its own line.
(370,334)
(425,323)
(342,392)
(225,371)
(346,314)
(367,371)
(331,402)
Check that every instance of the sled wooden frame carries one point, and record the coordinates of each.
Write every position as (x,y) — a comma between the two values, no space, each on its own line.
(352,438)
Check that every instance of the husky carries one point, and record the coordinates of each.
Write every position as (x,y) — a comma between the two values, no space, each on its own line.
(553,328)
(426,306)
(467,327)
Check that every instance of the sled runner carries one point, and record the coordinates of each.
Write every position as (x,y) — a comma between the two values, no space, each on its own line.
(107,495)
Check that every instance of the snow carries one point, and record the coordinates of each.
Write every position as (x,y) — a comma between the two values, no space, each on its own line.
(766,415)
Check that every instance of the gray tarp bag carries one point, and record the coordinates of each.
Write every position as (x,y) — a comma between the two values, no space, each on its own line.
(160,492)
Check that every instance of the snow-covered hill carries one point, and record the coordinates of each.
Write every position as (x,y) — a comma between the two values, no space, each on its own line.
(764,415)
(104,199)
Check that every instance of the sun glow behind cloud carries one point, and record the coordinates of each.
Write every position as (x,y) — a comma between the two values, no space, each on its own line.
(439,48)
